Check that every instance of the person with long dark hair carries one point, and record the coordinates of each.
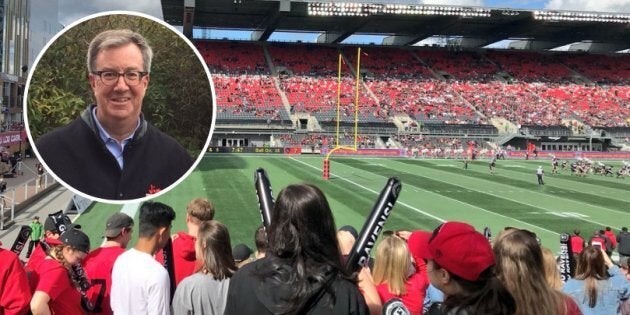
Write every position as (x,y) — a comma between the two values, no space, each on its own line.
(460,263)
(205,292)
(598,287)
(302,271)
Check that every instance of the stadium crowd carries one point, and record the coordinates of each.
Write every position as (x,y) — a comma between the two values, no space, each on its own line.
(452,87)
(303,264)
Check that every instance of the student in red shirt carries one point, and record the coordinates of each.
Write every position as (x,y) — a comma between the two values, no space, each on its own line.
(14,292)
(577,243)
(395,276)
(611,236)
(51,235)
(56,293)
(185,260)
(99,263)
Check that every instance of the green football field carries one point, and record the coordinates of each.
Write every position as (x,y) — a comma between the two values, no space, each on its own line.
(433,191)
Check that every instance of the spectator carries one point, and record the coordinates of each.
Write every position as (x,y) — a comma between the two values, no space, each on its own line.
(416,242)
(623,241)
(432,296)
(198,210)
(40,175)
(242,254)
(461,265)
(552,273)
(205,292)
(347,236)
(611,236)
(140,285)
(37,232)
(396,277)
(577,243)
(520,267)
(99,263)
(260,238)
(598,286)
(37,257)
(56,292)
(599,238)
(15,294)
(302,270)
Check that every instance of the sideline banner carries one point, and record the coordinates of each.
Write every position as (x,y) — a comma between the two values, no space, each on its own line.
(12,137)
(572,155)
(365,152)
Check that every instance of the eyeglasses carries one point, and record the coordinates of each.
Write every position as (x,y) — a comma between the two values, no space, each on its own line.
(111,77)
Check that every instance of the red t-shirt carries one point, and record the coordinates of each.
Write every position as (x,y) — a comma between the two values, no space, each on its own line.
(184,257)
(416,290)
(571,306)
(577,244)
(98,265)
(54,280)
(15,294)
(37,257)
(613,239)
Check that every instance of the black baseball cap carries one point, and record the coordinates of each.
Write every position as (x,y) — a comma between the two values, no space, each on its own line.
(76,239)
(241,252)
(49,225)
(116,223)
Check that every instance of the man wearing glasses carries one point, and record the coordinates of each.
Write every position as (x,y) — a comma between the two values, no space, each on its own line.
(110,151)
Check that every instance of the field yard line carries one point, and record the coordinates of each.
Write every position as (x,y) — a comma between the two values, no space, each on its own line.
(376,192)
(584,185)
(546,195)
(524,203)
(482,209)
(580,202)
(488,211)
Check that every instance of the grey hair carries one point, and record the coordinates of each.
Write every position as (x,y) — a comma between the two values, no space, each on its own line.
(118,38)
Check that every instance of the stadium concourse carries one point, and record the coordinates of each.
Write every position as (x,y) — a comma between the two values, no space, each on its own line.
(47,201)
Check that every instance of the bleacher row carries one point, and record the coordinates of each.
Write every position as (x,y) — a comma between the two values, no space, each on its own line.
(431,86)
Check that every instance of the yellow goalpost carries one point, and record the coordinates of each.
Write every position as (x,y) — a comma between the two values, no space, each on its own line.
(326,169)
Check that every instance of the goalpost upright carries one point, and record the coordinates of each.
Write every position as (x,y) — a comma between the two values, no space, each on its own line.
(326,169)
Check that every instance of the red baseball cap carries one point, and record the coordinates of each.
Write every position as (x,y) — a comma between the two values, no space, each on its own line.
(417,244)
(460,249)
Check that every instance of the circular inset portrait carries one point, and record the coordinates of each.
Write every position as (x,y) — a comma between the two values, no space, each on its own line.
(119,106)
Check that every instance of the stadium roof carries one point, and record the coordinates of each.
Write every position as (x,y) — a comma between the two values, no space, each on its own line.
(403,25)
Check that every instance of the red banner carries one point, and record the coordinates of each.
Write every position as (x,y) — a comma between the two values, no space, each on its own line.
(12,137)
(573,154)
(369,152)
(293,150)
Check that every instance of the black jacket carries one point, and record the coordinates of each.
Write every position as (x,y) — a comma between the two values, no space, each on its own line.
(248,294)
(623,243)
(76,154)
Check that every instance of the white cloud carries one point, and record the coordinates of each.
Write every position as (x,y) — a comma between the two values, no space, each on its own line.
(72,10)
(618,6)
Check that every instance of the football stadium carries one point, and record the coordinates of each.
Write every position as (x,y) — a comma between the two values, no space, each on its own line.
(418,112)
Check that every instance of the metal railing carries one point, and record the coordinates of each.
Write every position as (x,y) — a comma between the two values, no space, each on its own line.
(13,197)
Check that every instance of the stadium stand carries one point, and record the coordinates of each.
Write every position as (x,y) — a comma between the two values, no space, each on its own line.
(434,92)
